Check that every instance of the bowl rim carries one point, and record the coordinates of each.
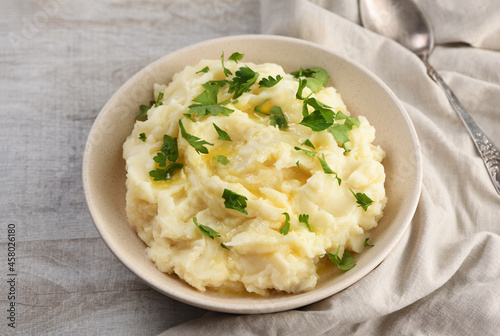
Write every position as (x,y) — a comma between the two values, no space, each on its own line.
(294,300)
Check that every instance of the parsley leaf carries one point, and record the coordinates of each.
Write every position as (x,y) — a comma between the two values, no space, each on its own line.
(235,201)
(366,244)
(170,148)
(277,118)
(222,134)
(144,108)
(315,78)
(206,230)
(306,151)
(345,263)
(302,85)
(195,142)
(269,81)
(227,72)
(362,199)
(315,121)
(286,226)
(236,57)
(308,143)
(204,70)
(144,112)
(327,169)
(303,218)
(258,107)
(165,174)
(208,102)
(340,132)
(244,78)
(222,159)
(158,101)
(142,136)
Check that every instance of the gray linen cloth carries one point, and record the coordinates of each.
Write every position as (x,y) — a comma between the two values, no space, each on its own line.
(444,276)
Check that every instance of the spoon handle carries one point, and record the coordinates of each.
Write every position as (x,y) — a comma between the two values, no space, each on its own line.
(486,148)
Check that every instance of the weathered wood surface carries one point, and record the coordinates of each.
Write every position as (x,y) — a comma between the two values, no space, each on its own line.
(60,61)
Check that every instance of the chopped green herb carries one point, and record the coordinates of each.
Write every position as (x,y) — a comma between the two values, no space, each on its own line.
(269,81)
(158,101)
(297,163)
(160,174)
(303,218)
(142,136)
(315,121)
(286,226)
(327,169)
(339,132)
(243,79)
(224,246)
(258,107)
(306,151)
(222,159)
(315,78)
(208,102)
(227,72)
(302,85)
(144,112)
(236,57)
(234,201)
(277,118)
(169,150)
(195,142)
(368,244)
(362,199)
(206,230)
(308,143)
(204,70)
(345,263)
(144,108)
(222,134)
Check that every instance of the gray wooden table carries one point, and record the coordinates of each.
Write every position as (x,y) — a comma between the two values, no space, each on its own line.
(60,61)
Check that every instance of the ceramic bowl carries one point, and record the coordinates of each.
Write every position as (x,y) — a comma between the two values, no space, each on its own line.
(364,94)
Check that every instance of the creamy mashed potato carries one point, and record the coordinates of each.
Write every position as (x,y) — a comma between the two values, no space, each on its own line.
(275,168)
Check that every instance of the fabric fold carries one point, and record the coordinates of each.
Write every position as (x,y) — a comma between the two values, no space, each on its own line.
(444,275)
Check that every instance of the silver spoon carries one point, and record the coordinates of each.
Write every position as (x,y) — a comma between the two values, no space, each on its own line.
(402,21)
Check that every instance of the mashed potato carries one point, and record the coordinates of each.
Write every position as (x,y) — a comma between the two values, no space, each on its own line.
(291,194)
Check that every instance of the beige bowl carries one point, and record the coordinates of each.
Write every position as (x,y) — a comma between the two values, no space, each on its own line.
(363,93)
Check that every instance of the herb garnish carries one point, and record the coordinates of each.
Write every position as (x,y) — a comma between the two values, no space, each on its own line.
(277,118)
(206,230)
(144,108)
(315,78)
(243,79)
(234,201)
(327,169)
(208,102)
(362,199)
(366,244)
(204,70)
(221,159)
(345,263)
(308,143)
(170,151)
(269,81)
(236,56)
(286,226)
(195,142)
(306,151)
(160,174)
(222,134)
(142,136)
(303,218)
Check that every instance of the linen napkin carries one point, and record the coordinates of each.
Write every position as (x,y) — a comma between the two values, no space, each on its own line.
(443,278)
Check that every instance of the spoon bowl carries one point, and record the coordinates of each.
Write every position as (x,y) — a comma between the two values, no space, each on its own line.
(402,21)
